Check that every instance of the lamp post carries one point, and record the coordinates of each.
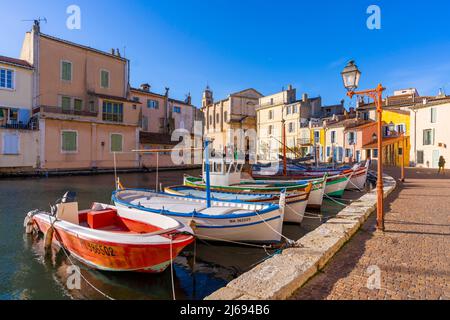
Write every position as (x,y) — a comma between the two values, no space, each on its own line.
(351,76)
(402,178)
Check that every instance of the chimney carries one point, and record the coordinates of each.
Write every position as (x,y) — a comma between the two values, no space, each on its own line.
(113,52)
(145,87)
(290,87)
(167,91)
(305,97)
(118,53)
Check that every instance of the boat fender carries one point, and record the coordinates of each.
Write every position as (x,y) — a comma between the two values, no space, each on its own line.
(193,225)
(28,222)
(48,238)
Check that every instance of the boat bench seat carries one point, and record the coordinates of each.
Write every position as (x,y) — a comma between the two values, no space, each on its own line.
(101,219)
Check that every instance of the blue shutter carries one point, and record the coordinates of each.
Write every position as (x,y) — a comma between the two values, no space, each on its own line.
(10,143)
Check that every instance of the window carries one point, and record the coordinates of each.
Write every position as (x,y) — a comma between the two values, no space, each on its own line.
(365,116)
(116,142)
(270,114)
(328,152)
(225,116)
(66,70)
(352,138)
(6,79)
(91,106)
(152,104)
(176,109)
(112,111)
(428,137)
(291,127)
(270,130)
(333,136)
(316,136)
(104,78)
(401,128)
(78,105)
(348,153)
(69,141)
(10,143)
(433,115)
(385,131)
(420,157)
(375,153)
(295,109)
(66,103)
(210,120)
(136,99)
(217,118)
(288,110)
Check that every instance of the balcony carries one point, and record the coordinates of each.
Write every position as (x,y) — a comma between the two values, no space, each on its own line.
(20,126)
(59,110)
(304,141)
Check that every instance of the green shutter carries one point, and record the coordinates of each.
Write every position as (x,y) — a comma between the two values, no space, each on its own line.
(66,73)
(116,143)
(65,103)
(78,105)
(69,141)
(105,79)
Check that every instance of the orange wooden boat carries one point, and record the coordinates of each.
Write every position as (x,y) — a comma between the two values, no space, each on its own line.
(114,239)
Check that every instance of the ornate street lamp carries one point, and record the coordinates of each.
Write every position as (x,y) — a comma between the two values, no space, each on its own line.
(351,76)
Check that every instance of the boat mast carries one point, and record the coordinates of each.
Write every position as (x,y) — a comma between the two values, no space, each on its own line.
(207,172)
(284,148)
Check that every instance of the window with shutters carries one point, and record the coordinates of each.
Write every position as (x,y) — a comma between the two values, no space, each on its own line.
(78,105)
(66,103)
(66,70)
(333,136)
(420,157)
(10,144)
(428,137)
(6,79)
(104,78)
(69,141)
(433,115)
(116,142)
(152,104)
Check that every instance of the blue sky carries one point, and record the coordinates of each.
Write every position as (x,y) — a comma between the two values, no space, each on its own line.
(232,45)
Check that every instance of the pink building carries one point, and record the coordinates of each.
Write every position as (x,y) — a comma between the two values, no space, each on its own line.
(81,103)
(356,136)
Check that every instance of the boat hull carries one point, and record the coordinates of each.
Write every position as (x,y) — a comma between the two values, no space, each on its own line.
(106,255)
(358,180)
(256,229)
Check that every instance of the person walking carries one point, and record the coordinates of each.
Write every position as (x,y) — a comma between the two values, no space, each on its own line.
(441,165)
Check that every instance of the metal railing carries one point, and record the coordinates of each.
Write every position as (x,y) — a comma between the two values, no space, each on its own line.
(20,126)
(59,110)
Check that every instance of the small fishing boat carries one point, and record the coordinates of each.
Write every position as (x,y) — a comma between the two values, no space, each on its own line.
(359,177)
(335,185)
(296,201)
(211,220)
(111,238)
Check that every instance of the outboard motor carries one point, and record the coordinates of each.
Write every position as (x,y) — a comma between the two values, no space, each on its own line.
(67,208)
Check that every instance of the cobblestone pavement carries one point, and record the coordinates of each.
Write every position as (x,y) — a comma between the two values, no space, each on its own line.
(412,258)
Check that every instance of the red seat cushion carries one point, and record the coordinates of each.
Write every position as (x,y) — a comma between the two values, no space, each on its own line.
(101,219)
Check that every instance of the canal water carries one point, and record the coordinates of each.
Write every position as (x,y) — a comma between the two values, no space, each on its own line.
(202,268)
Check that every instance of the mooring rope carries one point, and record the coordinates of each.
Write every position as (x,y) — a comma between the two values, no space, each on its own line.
(171,270)
(77,269)
(334,200)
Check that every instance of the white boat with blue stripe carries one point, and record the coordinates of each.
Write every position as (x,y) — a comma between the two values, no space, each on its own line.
(217,221)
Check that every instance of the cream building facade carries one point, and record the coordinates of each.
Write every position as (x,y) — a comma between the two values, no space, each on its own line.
(283,108)
(19,139)
(231,122)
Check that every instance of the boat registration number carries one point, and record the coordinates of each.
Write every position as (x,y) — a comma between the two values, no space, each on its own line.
(100,249)
(242,220)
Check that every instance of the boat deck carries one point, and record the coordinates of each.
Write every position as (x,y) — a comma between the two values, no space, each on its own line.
(180,205)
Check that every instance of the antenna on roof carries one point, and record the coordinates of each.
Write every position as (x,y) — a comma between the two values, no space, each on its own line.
(36,21)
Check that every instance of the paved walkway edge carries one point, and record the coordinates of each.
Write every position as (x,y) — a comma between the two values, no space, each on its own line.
(280,276)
